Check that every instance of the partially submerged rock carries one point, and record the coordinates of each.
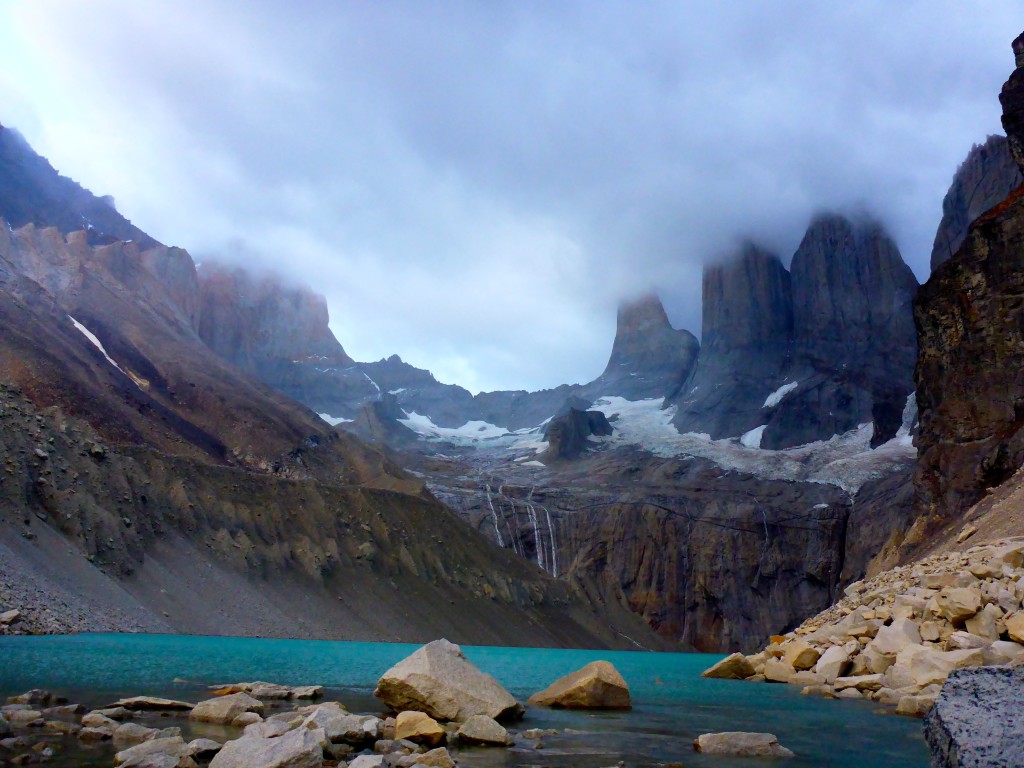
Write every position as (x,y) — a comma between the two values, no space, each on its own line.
(741,744)
(485,731)
(438,679)
(224,709)
(732,667)
(172,752)
(598,685)
(419,728)
(300,748)
(151,703)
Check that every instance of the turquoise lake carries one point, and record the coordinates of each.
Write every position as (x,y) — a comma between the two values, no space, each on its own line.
(672,703)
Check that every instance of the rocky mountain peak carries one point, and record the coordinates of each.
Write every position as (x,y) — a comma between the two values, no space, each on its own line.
(983,180)
(1012,99)
(258,320)
(746,300)
(649,357)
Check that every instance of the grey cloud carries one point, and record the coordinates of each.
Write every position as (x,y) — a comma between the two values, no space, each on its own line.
(475,185)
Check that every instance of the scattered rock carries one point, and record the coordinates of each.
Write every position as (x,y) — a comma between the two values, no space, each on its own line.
(438,679)
(436,758)
(9,617)
(203,749)
(419,728)
(224,709)
(300,748)
(172,752)
(364,761)
(733,667)
(598,685)
(153,703)
(484,730)
(741,744)
(128,734)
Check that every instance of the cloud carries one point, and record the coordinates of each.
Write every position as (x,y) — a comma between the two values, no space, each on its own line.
(475,185)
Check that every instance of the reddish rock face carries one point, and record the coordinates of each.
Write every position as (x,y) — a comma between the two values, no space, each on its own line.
(970,372)
(983,180)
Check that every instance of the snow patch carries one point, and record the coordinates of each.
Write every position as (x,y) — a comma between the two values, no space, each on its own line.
(334,420)
(98,344)
(396,391)
(752,439)
(471,431)
(777,396)
(533,463)
(375,386)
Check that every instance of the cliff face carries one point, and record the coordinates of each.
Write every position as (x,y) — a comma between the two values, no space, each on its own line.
(747,322)
(983,180)
(649,357)
(804,354)
(970,374)
(32,192)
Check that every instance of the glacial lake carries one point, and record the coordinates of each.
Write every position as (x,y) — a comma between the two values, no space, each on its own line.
(672,704)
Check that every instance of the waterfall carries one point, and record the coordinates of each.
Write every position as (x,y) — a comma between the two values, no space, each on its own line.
(494,516)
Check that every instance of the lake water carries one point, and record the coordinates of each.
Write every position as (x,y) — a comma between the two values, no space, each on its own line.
(672,703)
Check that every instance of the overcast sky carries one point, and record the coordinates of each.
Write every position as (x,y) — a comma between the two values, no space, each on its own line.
(475,185)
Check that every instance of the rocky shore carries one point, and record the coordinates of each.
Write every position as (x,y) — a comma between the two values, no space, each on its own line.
(895,638)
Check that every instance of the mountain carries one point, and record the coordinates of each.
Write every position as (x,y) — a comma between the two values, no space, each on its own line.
(984,179)
(32,192)
(970,386)
(148,477)
(794,356)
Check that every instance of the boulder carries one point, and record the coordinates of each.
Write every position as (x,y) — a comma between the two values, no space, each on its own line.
(957,604)
(151,703)
(246,719)
(36,698)
(481,729)
(778,671)
(984,623)
(129,734)
(894,638)
(598,685)
(267,729)
(203,749)
(1015,627)
(733,667)
(1003,652)
(419,728)
(960,640)
(224,709)
(978,719)
(741,744)
(914,706)
(861,683)
(927,665)
(364,761)
(438,679)
(341,727)
(834,662)
(801,655)
(435,758)
(96,720)
(171,751)
(300,748)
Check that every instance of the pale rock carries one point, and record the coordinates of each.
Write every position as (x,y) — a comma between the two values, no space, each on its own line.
(806,677)
(1007,600)
(128,734)
(203,749)
(362,761)
(419,728)
(261,690)
(957,604)
(741,744)
(800,655)
(483,730)
(307,692)
(62,727)
(960,640)
(894,638)
(1011,554)
(914,706)
(96,720)
(985,570)
(1003,652)
(222,710)
(439,680)
(778,671)
(267,729)
(90,735)
(908,606)
(1015,627)
(930,631)
(733,667)
(861,683)
(938,580)
(245,719)
(342,727)
(141,754)
(819,690)
(153,703)
(114,713)
(435,758)
(875,662)
(299,748)
(598,685)
(928,666)
(983,624)
(9,617)
(833,663)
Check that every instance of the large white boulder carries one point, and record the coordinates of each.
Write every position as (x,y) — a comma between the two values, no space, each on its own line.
(439,680)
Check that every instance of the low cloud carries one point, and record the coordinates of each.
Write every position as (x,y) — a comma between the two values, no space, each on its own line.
(473,185)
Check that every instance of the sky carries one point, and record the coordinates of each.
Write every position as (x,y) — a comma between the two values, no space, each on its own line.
(475,186)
